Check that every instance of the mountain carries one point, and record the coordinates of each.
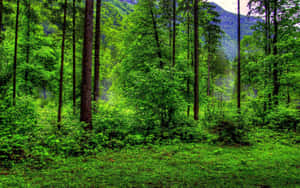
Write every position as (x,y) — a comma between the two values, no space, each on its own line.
(228,25)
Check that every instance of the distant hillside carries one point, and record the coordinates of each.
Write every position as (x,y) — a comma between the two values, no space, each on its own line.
(228,25)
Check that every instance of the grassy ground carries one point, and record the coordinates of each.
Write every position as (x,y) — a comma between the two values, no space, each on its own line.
(264,164)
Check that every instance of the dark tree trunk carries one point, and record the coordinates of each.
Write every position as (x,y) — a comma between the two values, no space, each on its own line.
(28,43)
(86,85)
(74,56)
(239,60)
(196,63)
(174,33)
(208,66)
(188,58)
(62,66)
(275,52)
(156,35)
(1,12)
(97,50)
(16,53)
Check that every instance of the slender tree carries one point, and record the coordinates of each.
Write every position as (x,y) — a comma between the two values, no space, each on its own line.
(86,84)
(97,50)
(74,56)
(239,59)
(62,65)
(174,33)
(28,15)
(188,55)
(1,12)
(196,63)
(275,52)
(156,34)
(16,53)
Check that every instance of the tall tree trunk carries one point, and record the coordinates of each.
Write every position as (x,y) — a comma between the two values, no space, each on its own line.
(275,52)
(28,43)
(97,50)
(1,12)
(86,85)
(74,56)
(196,63)
(156,34)
(239,60)
(16,53)
(208,65)
(188,58)
(174,33)
(62,66)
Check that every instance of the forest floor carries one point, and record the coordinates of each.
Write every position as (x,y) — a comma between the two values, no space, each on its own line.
(270,162)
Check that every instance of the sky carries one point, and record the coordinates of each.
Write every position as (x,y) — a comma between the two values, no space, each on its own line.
(231,5)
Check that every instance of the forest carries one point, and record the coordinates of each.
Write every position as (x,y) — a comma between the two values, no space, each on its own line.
(149,93)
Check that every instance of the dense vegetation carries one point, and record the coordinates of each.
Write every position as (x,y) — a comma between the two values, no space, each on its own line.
(148,94)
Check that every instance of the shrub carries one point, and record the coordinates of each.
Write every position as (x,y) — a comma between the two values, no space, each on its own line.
(284,118)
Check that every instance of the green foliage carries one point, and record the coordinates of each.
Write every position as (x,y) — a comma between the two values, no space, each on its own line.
(284,118)
(17,125)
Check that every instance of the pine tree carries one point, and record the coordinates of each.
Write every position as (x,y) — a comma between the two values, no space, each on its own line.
(196,63)
(16,53)
(86,83)
(97,50)
(62,65)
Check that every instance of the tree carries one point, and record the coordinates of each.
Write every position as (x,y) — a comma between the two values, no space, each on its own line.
(28,15)
(196,63)
(1,12)
(16,53)
(174,33)
(275,52)
(74,56)
(86,83)
(97,50)
(239,59)
(62,65)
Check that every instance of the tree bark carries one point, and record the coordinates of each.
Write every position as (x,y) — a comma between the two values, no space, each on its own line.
(196,63)
(1,12)
(16,53)
(174,33)
(239,60)
(188,58)
(97,50)
(28,43)
(156,35)
(86,87)
(62,66)
(275,52)
(74,56)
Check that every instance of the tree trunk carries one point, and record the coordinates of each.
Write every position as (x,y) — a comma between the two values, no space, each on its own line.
(16,53)
(62,66)
(196,63)
(74,56)
(97,50)
(156,35)
(239,60)
(86,85)
(174,33)
(188,59)
(28,43)
(208,65)
(275,52)
(1,12)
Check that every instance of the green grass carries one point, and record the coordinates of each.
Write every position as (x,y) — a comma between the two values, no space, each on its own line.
(266,163)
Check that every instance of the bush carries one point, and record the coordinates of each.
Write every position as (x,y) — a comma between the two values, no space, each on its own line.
(230,128)
(17,125)
(284,118)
